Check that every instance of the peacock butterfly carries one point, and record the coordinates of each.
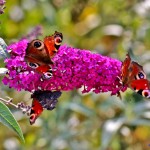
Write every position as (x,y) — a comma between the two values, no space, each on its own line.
(42,100)
(39,53)
(133,76)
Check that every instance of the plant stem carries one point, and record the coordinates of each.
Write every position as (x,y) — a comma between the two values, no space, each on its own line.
(24,108)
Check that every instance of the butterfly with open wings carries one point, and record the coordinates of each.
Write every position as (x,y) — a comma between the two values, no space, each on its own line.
(39,53)
(133,76)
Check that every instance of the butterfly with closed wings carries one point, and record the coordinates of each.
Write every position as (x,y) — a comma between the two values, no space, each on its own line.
(42,100)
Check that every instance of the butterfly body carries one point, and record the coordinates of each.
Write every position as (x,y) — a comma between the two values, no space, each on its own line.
(39,53)
(134,77)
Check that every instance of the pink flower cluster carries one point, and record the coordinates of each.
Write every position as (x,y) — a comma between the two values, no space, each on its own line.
(73,68)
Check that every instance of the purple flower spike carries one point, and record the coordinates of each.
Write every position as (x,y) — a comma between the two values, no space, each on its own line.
(73,68)
(34,33)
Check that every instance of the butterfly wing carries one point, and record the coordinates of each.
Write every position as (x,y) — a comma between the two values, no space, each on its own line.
(136,72)
(37,50)
(37,58)
(142,87)
(43,100)
(44,69)
(125,69)
(141,84)
(36,111)
(53,43)
(48,99)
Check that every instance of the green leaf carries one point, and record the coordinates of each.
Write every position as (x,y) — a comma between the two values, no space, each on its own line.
(7,118)
(110,128)
(140,122)
(80,108)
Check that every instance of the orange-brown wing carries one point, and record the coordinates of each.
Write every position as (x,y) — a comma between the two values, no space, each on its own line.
(53,43)
(137,78)
(125,69)
(141,86)
(44,69)
(136,72)
(36,111)
(50,45)
(37,50)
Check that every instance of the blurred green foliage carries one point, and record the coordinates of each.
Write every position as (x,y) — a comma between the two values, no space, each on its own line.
(89,121)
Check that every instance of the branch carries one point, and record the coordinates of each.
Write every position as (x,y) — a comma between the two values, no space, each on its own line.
(22,106)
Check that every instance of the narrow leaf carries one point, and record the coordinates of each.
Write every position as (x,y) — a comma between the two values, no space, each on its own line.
(110,128)
(7,118)
(140,122)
